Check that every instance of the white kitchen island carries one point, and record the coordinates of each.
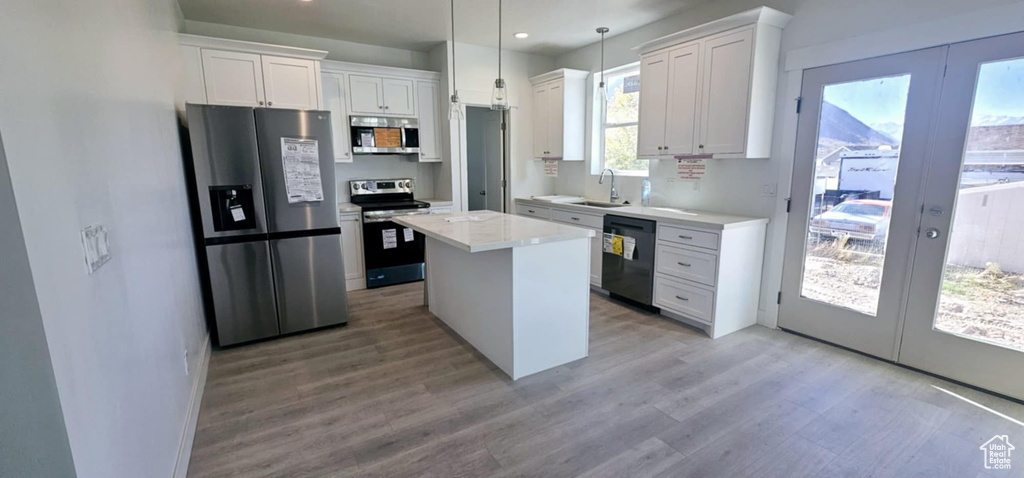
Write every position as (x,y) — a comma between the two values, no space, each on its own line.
(516,288)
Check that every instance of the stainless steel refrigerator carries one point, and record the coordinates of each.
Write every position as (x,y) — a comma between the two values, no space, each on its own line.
(265,213)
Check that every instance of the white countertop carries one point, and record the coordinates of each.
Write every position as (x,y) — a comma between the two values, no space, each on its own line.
(686,217)
(493,230)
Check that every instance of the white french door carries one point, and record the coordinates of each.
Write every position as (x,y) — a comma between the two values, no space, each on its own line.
(965,313)
(840,289)
(906,236)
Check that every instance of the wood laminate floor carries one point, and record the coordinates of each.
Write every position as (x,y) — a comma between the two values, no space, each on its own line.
(396,393)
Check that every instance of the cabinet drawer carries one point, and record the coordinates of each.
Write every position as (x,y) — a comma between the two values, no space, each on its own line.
(575,218)
(686,264)
(533,211)
(684,299)
(689,237)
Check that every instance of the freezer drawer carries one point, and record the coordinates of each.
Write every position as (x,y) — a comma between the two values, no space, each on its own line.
(309,276)
(242,291)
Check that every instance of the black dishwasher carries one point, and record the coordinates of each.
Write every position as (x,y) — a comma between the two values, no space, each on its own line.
(627,264)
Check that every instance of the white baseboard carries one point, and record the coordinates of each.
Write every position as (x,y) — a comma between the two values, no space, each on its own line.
(188,434)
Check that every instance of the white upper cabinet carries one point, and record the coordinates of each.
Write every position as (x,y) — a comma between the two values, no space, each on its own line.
(428,100)
(233,78)
(653,104)
(559,108)
(727,68)
(398,97)
(374,95)
(367,94)
(334,101)
(239,73)
(710,90)
(290,83)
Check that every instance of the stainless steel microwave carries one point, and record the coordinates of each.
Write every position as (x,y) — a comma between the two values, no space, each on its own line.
(383,135)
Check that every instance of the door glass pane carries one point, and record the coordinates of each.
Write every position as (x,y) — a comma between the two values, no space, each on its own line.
(859,134)
(983,286)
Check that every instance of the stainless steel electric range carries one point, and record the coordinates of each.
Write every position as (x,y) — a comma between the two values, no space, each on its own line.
(393,254)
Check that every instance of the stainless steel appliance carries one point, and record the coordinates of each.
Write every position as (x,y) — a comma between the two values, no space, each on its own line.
(393,254)
(384,135)
(267,231)
(630,279)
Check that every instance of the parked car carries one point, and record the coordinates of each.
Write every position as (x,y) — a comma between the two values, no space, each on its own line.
(864,219)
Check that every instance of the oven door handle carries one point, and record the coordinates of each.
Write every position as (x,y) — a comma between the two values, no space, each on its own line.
(386,216)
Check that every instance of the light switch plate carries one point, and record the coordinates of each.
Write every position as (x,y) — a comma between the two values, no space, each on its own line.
(96,246)
(768,190)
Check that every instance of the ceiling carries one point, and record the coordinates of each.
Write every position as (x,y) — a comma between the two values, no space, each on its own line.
(555,26)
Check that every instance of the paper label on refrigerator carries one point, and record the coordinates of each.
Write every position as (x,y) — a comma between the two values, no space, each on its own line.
(409,237)
(390,238)
(551,168)
(301,158)
(237,213)
(628,246)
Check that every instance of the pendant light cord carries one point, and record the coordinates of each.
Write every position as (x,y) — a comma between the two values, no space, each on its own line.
(454,88)
(602,59)
(499,39)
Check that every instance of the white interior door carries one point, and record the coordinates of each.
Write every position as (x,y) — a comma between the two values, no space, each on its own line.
(846,265)
(965,314)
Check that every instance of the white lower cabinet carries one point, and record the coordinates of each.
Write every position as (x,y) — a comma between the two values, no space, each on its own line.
(709,278)
(352,247)
(594,222)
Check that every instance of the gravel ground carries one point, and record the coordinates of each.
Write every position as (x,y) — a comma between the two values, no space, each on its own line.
(974,303)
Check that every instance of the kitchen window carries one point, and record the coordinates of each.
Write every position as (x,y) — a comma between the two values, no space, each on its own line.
(616,122)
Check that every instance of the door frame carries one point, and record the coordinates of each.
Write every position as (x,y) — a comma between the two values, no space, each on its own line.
(877,335)
(483,100)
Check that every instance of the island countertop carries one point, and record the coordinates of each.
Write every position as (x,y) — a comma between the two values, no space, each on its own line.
(479,231)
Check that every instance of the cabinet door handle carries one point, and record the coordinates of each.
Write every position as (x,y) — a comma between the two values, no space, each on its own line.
(659,148)
(260,102)
(686,237)
(683,264)
(531,211)
(270,103)
(682,298)
(575,218)
(701,146)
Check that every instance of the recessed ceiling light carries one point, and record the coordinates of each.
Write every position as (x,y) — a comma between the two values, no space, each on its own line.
(521,35)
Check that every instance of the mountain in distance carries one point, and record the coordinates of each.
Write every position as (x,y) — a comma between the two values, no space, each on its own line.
(996,120)
(891,129)
(839,128)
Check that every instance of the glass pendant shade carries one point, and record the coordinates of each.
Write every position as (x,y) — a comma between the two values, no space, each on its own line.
(455,107)
(499,97)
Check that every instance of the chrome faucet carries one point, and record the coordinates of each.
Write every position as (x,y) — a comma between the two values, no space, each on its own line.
(614,193)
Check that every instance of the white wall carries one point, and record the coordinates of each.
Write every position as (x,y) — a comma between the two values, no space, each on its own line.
(476,69)
(733,186)
(386,166)
(337,49)
(91,137)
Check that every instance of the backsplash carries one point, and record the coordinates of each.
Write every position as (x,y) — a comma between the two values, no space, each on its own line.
(386,167)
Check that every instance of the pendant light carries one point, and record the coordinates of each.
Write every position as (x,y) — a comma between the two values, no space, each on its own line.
(602,31)
(454,106)
(499,98)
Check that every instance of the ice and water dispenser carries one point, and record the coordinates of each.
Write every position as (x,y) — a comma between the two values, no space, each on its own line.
(232,207)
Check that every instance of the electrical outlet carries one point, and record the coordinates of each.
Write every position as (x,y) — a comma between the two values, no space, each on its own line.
(186,361)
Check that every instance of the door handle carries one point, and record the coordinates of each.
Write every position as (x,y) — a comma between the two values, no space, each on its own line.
(931,233)
(683,264)
(483,193)
(686,237)
(682,298)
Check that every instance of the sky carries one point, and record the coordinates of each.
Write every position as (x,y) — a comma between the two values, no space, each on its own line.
(883,100)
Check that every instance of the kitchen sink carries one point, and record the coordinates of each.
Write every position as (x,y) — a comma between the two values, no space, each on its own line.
(601,204)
